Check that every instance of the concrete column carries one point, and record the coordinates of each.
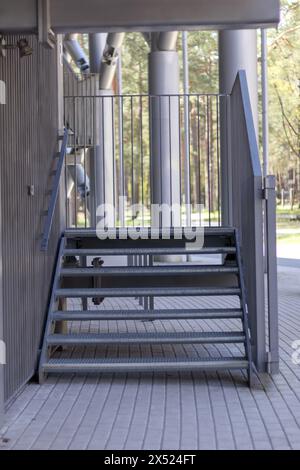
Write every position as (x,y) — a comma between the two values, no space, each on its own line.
(164,118)
(237,51)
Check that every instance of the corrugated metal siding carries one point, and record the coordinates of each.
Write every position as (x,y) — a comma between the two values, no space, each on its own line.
(28,140)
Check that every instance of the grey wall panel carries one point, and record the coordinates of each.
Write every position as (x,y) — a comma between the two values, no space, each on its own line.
(28,140)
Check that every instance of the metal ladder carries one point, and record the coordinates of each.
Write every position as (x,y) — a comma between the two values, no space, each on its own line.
(149,281)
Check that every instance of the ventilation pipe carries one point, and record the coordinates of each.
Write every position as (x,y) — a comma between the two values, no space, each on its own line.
(76,52)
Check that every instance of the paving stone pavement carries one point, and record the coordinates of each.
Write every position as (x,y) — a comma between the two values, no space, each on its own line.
(166,411)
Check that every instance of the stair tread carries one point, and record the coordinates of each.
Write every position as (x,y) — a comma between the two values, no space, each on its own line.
(116,364)
(142,314)
(119,338)
(147,251)
(218,239)
(148,270)
(147,291)
(92,233)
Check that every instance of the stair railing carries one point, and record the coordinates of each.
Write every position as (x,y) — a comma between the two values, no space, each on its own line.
(247,209)
(54,193)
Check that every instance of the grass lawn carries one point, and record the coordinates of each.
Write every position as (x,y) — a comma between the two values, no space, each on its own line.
(288,227)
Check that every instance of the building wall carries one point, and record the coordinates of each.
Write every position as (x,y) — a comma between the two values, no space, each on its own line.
(28,143)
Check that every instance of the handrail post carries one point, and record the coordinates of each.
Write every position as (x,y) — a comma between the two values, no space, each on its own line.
(271,256)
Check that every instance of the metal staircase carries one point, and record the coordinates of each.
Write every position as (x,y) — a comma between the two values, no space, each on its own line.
(147,282)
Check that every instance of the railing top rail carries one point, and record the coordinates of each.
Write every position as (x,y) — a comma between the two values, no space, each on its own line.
(145,95)
(54,193)
(241,81)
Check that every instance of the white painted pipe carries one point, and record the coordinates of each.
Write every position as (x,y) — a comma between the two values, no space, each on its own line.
(76,52)
(109,60)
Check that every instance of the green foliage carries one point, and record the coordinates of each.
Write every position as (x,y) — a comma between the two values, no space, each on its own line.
(284,86)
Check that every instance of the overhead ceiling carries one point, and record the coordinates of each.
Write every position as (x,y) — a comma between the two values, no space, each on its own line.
(140,15)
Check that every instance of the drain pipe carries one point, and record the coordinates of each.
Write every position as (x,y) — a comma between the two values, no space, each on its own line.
(76,52)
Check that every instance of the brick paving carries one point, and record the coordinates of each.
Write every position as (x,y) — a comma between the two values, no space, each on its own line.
(166,411)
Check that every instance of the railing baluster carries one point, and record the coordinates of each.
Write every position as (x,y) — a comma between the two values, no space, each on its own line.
(75,166)
(121,156)
(208,159)
(113,156)
(199,156)
(218,159)
(170,164)
(103,179)
(132,161)
(84,163)
(180,157)
(142,157)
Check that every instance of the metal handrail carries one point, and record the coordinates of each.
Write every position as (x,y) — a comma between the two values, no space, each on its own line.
(54,193)
(147,95)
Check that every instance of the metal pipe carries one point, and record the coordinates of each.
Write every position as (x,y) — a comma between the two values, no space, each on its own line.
(265,99)
(165,147)
(76,52)
(109,60)
(121,155)
(167,41)
(97,43)
(67,61)
(187,179)
(79,175)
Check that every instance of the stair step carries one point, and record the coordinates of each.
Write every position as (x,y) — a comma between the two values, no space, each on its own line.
(143,365)
(147,270)
(148,292)
(124,232)
(146,338)
(148,251)
(204,314)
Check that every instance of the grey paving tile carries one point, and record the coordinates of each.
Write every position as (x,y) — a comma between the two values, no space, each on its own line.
(164,411)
